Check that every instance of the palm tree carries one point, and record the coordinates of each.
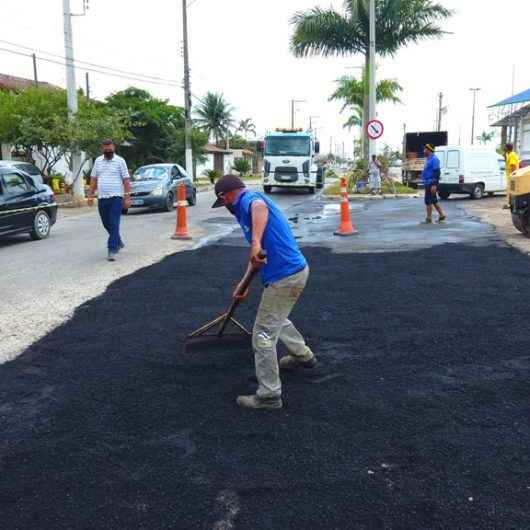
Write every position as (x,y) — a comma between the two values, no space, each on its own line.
(327,33)
(214,116)
(351,92)
(246,127)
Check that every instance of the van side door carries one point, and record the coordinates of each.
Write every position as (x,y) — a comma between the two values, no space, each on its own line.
(453,167)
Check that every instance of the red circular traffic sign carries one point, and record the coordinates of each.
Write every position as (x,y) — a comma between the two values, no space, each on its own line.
(375,129)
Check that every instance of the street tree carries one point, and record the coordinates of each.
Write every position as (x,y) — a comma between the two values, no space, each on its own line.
(214,115)
(327,32)
(34,121)
(246,127)
(486,138)
(351,91)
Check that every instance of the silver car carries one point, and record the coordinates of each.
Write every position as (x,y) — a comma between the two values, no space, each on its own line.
(155,186)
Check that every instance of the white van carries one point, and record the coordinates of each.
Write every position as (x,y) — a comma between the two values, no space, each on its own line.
(469,170)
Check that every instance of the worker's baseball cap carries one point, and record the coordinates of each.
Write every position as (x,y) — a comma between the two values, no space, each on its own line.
(430,147)
(224,185)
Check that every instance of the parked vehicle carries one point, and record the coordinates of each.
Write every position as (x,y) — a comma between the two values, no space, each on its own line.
(413,158)
(471,171)
(525,162)
(289,161)
(155,186)
(25,207)
(519,198)
(29,169)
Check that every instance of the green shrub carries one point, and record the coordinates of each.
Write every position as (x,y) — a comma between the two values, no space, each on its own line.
(212,174)
(242,166)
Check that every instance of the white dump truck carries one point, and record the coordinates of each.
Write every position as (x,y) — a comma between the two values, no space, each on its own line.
(289,161)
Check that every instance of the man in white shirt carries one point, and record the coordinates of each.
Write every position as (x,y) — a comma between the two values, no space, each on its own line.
(110,177)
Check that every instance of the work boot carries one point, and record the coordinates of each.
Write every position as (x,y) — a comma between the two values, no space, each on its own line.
(291,362)
(257,403)
(442,219)
(111,256)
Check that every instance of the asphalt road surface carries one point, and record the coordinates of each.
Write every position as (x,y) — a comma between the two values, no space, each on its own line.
(416,417)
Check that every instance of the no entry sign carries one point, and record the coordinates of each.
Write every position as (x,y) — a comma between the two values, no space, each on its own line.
(375,129)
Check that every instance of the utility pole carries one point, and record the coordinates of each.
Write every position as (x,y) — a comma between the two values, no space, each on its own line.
(35,77)
(187,92)
(87,85)
(440,107)
(293,102)
(71,90)
(311,121)
(474,90)
(371,75)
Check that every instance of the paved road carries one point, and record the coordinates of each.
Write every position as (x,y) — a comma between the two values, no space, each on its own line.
(416,417)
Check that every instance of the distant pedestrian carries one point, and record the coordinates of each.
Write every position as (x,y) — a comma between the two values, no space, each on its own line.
(374,174)
(512,165)
(110,177)
(431,178)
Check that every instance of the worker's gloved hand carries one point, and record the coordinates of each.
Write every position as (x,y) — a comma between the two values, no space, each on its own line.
(258,256)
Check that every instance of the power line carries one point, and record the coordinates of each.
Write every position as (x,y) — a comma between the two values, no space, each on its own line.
(128,77)
(125,72)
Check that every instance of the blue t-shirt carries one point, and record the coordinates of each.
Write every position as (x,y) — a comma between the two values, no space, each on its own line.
(283,255)
(431,170)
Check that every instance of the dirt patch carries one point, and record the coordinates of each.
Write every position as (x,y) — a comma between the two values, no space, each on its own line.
(491,211)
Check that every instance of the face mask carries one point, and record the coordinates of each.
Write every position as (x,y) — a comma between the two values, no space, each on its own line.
(108,154)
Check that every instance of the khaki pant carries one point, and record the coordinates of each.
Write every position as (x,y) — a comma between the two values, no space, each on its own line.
(272,324)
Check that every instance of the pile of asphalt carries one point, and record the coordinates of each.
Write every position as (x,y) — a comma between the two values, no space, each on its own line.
(416,418)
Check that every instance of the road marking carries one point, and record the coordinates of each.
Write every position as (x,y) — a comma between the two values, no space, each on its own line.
(228,502)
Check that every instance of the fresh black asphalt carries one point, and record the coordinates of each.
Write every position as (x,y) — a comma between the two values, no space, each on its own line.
(416,418)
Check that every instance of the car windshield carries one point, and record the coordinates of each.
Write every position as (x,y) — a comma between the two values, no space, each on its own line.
(287,146)
(151,173)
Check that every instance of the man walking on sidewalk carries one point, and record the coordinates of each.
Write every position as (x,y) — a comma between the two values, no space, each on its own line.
(110,177)
(430,178)
(284,273)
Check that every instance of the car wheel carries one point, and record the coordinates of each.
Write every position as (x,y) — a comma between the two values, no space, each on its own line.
(478,191)
(170,203)
(517,221)
(525,223)
(444,195)
(267,189)
(311,190)
(192,201)
(41,226)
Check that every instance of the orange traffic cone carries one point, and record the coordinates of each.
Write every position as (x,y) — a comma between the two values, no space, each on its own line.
(345,228)
(181,230)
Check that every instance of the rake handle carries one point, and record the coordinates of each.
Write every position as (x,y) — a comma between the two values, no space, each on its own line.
(244,285)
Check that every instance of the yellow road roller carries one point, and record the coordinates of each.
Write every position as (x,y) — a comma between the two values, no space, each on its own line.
(519,196)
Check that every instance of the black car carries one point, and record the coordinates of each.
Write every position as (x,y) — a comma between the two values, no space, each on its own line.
(25,207)
(30,169)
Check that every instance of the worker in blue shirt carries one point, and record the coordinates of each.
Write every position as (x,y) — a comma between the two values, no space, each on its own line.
(430,178)
(284,272)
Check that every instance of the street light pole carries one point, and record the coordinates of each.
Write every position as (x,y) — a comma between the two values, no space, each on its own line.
(293,102)
(187,93)
(371,75)
(474,90)
(71,91)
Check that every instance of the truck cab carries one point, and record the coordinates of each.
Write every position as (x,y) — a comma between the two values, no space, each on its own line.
(289,161)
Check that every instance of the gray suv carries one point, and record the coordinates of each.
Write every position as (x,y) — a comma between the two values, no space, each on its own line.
(155,186)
